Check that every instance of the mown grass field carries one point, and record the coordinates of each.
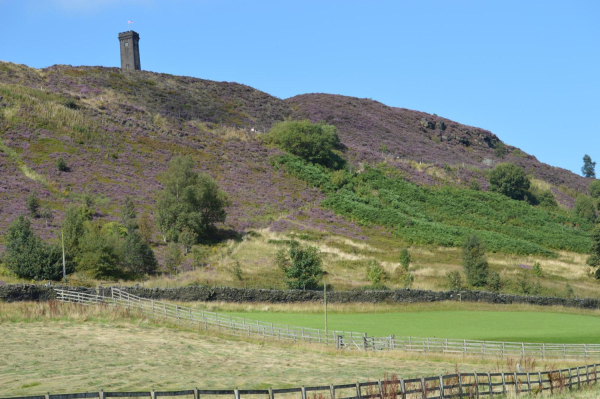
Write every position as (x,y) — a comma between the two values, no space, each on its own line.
(447,320)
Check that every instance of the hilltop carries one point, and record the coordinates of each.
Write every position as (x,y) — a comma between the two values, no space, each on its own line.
(117,130)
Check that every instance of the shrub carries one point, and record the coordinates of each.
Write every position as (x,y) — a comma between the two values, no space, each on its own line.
(129,214)
(61,165)
(138,257)
(145,227)
(29,257)
(595,189)
(526,286)
(454,280)
(475,264)
(33,204)
(99,252)
(494,282)
(584,208)
(405,258)
(501,151)
(188,238)
(301,266)
(546,199)
(200,255)
(314,142)
(375,273)
(510,180)
(173,258)
(537,269)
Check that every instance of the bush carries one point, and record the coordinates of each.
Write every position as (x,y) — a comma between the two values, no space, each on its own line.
(475,264)
(61,165)
(454,280)
(200,255)
(546,199)
(405,258)
(537,269)
(314,142)
(501,151)
(375,273)
(99,252)
(29,257)
(494,282)
(510,180)
(526,286)
(585,208)
(33,204)
(138,258)
(301,266)
(595,189)
(173,258)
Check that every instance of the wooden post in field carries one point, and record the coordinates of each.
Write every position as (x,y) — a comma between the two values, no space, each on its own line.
(380,385)
(403,388)
(460,387)
(271,394)
(503,383)
(392,342)
(325,304)
(423,388)
(540,382)
(587,375)
(101,394)
(331,391)
(578,379)
(490,384)
(236,393)
(303,390)
(476,385)
(47,395)
(516,384)
(528,382)
(196,393)
(441,387)
(365,342)
(358,395)
(152,394)
(570,384)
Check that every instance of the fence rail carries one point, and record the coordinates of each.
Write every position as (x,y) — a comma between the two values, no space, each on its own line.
(345,340)
(462,385)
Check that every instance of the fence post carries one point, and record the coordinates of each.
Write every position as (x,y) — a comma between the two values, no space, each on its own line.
(516,384)
(595,373)
(578,379)
(441,387)
(365,342)
(490,384)
(101,394)
(423,388)
(460,387)
(392,342)
(152,394)
(476,385)
(528,382)
(541,384)
(570,380)
(587,375)
(464,347)
(331,391)
(236,392)
(196,394)
(271,395)
(402,388)
(47,395)
(380,389)
(564,352)
(503,383)
(358,395)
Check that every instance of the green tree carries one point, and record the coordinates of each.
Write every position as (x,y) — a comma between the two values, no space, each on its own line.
(589,168)
(99,252)
(314,142)
(595,189)
(33,204)
(173,258)
(454,280)
(475,264)
(585,208)
(129,214)
(594,258)
(189,199)
(510,180)
(61,165)
(46,214)
(138,257)
(494,282)
(188,238)
(73,229)
(405,258)
(302,266)
(145,227)
(375,273)
(29,257)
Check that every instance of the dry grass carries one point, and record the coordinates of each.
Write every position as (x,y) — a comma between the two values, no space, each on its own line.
(67,348)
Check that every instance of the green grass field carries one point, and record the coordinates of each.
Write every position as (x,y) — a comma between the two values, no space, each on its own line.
(493,326)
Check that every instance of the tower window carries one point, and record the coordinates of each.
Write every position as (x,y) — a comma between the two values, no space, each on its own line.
(127,66)
(126,44)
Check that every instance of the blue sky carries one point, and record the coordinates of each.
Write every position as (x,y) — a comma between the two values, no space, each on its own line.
(526,70)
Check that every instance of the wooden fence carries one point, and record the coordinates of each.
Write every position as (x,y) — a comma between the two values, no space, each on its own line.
(342,340)
(463,385)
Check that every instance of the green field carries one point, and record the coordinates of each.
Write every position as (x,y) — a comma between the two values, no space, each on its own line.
(493,326)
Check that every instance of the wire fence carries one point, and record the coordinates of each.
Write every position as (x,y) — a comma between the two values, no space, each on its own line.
(343,340)
(460,385)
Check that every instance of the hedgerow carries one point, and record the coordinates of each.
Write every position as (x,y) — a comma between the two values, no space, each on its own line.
(444,216)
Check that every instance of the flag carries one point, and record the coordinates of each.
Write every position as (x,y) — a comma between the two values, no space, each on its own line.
(129,22)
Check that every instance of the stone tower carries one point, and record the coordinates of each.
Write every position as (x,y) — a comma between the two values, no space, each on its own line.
(130,50)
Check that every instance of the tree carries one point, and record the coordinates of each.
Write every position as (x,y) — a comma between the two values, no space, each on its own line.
(173,257)
(189,199)
(301,266)
(33,204)
(188,238)
(99,253)
(128,214)
(585,208)
(375,273)
(29,257)
(589,168)
(405,259)
(510,180)
(595,189)
(594,258)
(73,229)
(314,142)
(145,227)
(475,264)
(138,257)
(61,165)
(46,214)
